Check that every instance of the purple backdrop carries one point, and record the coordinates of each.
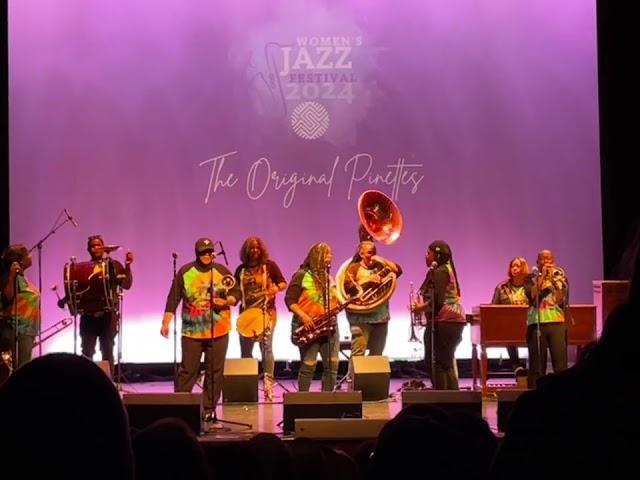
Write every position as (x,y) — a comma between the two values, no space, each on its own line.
(155,123)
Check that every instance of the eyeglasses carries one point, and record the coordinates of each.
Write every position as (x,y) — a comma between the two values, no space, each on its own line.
(210,254)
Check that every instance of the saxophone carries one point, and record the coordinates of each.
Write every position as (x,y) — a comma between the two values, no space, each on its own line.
(323,326)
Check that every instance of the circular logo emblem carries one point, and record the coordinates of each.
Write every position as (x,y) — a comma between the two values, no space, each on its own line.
(310,120)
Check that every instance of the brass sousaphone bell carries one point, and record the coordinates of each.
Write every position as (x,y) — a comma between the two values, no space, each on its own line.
(380,221)
(380,217)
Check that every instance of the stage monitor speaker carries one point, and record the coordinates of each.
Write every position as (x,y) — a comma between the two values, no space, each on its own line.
(371,376)
(240,380)
(449,400)
(506,402)
(319,405)
(146,408)
(339,428)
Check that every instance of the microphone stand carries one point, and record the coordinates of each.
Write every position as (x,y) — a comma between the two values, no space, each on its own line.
(536,286)
(327,306)
(432,322)
(73,304)
(56,226)
(118,312)
(175,330)
(263,346)
(212,357)
(16,342)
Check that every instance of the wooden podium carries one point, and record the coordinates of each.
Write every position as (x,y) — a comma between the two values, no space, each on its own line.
(607,295)
(506,325)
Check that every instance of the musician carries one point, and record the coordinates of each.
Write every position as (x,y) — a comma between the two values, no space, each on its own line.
(260,279)
(309,291)
(206,321)
(102,324)
(444,314)
(368,328)
(511,292)
(547,289)
(19,305)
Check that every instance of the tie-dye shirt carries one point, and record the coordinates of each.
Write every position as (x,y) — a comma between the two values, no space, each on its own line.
(25,307)
(192,286)
(549,309)
(446,294)
(506,293)
(304,291)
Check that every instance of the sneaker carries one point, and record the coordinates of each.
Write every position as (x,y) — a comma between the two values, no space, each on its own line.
(209,416)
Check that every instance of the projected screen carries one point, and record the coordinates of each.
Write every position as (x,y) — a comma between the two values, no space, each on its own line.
(155,123)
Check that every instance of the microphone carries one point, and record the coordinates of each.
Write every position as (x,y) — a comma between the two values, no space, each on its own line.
(70,218)
(174,255)
(222,252)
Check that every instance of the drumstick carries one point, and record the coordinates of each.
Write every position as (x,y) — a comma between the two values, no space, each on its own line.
(55,289)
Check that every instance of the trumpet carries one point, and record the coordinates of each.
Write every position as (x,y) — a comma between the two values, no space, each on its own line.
(417,318)
(553,272)
(553,276)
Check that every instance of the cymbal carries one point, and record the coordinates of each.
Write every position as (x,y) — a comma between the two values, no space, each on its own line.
(110,248)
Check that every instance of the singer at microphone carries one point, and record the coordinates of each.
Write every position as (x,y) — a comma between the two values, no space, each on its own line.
(546,317)
(445,315)
(206,290)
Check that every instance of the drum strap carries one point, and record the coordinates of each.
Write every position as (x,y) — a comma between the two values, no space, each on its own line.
(244,300)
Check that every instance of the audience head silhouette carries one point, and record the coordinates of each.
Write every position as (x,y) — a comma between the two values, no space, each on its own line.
(68,414)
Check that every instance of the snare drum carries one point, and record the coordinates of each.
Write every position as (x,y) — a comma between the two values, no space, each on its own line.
(251,324)
(90,286)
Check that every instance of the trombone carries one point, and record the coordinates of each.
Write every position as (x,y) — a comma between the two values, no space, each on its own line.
(6,357)
(54,329)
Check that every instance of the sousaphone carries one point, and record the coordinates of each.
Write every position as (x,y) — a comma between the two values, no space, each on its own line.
(380,221)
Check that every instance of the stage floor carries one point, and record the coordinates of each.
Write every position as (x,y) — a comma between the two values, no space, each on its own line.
(267,416)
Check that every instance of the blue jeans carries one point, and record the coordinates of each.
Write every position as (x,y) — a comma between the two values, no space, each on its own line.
(328,348)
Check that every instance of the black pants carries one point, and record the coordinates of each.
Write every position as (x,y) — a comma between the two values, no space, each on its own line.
(214,354)
(101,326)
(553,336)
(446,337)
